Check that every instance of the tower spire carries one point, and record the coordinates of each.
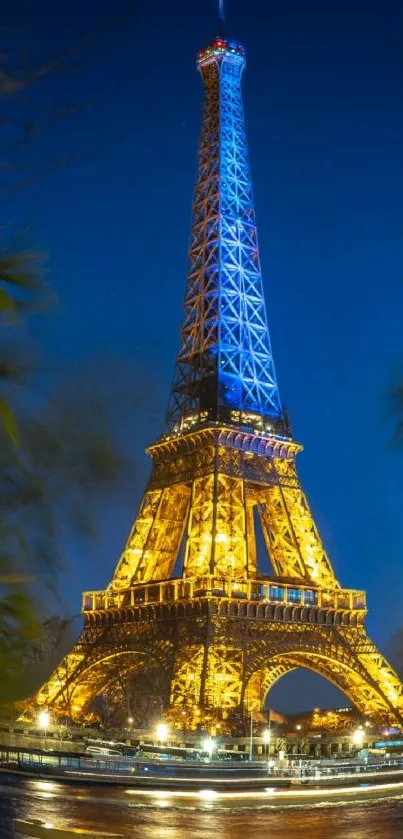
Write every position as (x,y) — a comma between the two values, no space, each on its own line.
(225,364)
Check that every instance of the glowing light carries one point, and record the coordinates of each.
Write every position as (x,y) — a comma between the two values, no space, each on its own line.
(161,732)
(358,737)
(208,794)
(44,786)
(208,746)
(43,720)
(266,736)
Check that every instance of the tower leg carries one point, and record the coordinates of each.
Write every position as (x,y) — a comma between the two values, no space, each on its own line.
(154,542)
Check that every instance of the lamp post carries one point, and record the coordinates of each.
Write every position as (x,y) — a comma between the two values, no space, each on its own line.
(43,722)
(251,736)
(266,741)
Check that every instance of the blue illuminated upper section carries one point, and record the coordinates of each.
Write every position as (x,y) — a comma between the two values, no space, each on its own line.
(225,362)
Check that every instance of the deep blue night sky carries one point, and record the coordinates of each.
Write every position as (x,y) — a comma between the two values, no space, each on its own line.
(323,98)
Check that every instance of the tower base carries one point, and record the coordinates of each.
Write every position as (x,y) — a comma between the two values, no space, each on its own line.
(214,648)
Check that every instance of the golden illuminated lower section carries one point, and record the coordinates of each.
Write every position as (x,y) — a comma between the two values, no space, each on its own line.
(224,654)
(220,632)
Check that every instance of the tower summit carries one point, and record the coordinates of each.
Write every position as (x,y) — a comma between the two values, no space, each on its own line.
(219,631)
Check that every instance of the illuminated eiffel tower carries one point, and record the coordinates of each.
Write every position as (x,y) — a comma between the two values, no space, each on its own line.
(221,630)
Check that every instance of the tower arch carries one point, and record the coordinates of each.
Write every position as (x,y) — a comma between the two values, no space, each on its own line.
(346,675)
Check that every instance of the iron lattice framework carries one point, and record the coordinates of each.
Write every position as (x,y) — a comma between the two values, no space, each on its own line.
(222,631)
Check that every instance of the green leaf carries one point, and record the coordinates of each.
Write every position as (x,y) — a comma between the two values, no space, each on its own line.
(9,421)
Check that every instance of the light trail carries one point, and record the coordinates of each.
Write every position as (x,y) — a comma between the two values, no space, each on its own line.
(246,779)
(270,792)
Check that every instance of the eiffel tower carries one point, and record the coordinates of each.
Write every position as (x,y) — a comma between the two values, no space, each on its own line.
(222,631)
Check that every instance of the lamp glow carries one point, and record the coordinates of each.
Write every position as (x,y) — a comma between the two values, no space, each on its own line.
(161,732)
(43,723)
(358,737)
(208,746)
(208,794)
(43,720)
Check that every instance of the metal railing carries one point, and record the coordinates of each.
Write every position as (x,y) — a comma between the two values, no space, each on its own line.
(251,590)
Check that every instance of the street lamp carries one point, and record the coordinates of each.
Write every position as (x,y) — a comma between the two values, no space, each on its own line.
(266,741)
(161,732)
(43,722)
(130,721)
(208,746)
(358,738)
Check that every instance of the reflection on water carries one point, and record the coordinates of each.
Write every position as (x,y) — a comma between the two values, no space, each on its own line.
(163,817)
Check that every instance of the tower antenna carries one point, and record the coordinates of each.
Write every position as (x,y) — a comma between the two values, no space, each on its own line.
(221,18)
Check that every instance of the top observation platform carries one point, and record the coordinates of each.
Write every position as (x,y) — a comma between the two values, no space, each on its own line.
(221,48)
